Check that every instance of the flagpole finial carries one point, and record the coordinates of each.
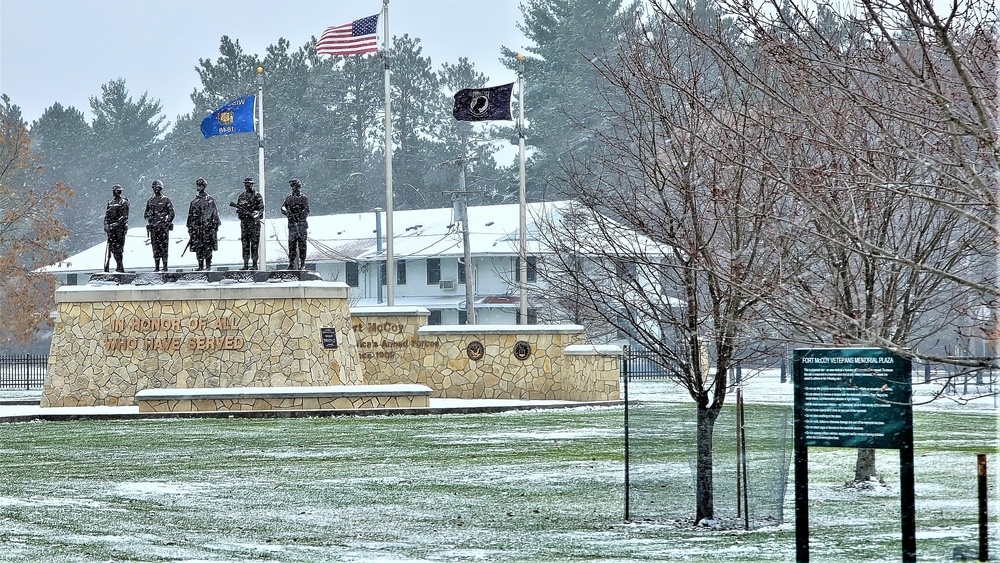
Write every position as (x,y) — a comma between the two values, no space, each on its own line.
(260,70)
(520,56)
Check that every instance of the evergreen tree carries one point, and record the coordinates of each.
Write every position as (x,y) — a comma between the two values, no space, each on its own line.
(303,133)
(353,88)
(561,86)
(223,160)
(63,141)
(127,136)
(298,126)
(416,102)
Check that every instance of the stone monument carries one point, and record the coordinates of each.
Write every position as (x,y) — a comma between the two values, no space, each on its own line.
(111,341)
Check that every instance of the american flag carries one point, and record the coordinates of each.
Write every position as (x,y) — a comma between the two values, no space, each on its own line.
(352,38)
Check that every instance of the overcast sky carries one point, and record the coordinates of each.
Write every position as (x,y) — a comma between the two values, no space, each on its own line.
(64,50)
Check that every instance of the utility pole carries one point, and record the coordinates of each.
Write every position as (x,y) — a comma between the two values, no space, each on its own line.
(460,203)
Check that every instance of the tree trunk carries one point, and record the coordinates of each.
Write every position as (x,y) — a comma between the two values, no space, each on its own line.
(704,491)
(864,469)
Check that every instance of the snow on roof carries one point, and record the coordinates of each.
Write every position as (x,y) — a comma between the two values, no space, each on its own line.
(419,233)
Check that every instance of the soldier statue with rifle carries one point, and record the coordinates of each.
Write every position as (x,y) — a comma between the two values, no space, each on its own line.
(116,226)
(296,208)
(159,217)
(249,209)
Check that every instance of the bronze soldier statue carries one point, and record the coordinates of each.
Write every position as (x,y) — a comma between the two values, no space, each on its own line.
(203,226)
(159,216)
(250,209)
(116,225)
(296,207)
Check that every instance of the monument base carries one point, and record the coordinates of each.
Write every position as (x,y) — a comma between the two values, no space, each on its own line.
(111,341)
(335,397)
(206,276)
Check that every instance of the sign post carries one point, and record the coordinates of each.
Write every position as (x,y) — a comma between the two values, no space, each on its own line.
(853,398)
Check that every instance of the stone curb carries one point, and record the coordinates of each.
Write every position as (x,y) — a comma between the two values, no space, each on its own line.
(54,417)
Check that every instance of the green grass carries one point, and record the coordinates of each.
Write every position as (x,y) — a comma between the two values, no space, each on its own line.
(530,486)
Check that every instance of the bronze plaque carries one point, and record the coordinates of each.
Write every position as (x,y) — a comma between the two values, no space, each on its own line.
(475,350)
(522,350)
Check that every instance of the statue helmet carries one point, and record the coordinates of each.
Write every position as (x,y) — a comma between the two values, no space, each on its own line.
(157,184)
(248,180)
(294,182)
(200,182)
(116,189)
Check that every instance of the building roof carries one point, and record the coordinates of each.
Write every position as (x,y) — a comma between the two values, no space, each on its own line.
(420,233)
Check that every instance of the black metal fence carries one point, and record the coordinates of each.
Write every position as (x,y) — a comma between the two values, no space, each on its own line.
(23,371)
(641,364)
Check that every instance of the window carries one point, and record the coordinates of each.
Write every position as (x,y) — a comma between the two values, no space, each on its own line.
(352,273)
(433,271)
(71,279)
(461,272)
(400,272)
(532,273)
(625,270)
(435,318)
(463,317)
(532,316)
(381,273)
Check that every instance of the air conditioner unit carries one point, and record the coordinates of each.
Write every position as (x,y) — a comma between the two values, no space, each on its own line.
(446,284)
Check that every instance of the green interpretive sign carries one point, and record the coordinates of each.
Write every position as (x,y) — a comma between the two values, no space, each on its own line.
(853,397)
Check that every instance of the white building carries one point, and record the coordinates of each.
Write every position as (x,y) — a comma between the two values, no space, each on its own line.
(427,246)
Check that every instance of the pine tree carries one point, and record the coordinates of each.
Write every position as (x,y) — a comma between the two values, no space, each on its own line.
(63,141)
(355,88)
(562,88)
(416,102)
(127,136)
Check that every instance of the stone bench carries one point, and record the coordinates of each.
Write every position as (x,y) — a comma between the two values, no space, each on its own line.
(336,397)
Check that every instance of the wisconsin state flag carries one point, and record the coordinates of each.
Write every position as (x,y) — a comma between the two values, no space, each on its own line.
(236,116)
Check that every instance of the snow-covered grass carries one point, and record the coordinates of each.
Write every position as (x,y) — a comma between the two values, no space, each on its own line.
(520,486)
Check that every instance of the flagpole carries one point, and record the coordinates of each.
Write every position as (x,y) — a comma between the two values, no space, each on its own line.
(262,244)
(390,277)
(522,250)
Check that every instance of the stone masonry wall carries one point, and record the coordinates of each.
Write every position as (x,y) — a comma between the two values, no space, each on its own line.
(479,361)
(389,347)
(593,371)
(499,374)
(110,342)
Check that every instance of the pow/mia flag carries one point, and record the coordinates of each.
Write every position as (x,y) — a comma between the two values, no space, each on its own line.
(483,104)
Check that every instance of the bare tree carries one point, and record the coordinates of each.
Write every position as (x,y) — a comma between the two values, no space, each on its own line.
(891,153)
(888,110)
(846,295)
(671,243)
